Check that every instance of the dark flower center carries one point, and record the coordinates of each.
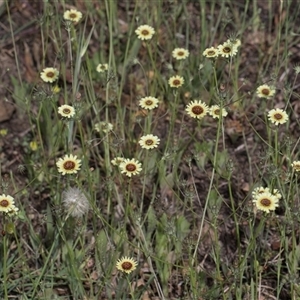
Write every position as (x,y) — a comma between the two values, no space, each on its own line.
(126,265)
(149,102)
(227,49)
(265,202)
(66,111)
(197,110)
(130,167)
(4,203)
(211,52)
(69,165)
(50,74)
(149,142)
(217,111)
(180,53)
(176,82)
(265,92)
(278,116)
(145,32)
(73,16)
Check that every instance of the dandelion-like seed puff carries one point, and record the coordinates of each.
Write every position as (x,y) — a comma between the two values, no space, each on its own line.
(126,264)
(69,164)
(49,74)
(75,202)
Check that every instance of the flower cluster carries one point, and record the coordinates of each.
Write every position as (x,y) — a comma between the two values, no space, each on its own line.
(7,205)
(227,49)
(266,199)
(198,109)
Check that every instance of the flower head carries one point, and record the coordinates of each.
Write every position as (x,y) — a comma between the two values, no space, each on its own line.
(235,42)
(148,103)
(211,52)
(130,167)
(3,132)
(180,53)
(102,68)
(117,161)
(126,264)
(227,50)
(66,111)
(197,109)
(278,116)
(104,126)
(33,145)
(6,203)
(265,91)
(149,141)
(296,165)
(49,74)
(68,165)
(75,202)
(72,15)
(215,111)
(145,32)
(266,202)
(176,81)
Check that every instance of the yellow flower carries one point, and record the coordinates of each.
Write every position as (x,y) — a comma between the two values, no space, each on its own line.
(265,91)
(266,202)
(180,53)
(68,165)
(145,32)
(49,74)
(126,264)
(6,203)
(148,103)
(149,141)
(33,145)
(117,161)
(197,109)
(296,165)
(66,111)
(214,111)
(176,81)
(130,167)
(102,68)
(55,89)
(227,50)
(211,52)
(72,15)
(3,132)
(278,116)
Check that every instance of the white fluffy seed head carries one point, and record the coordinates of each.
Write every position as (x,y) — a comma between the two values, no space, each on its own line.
(75,202)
